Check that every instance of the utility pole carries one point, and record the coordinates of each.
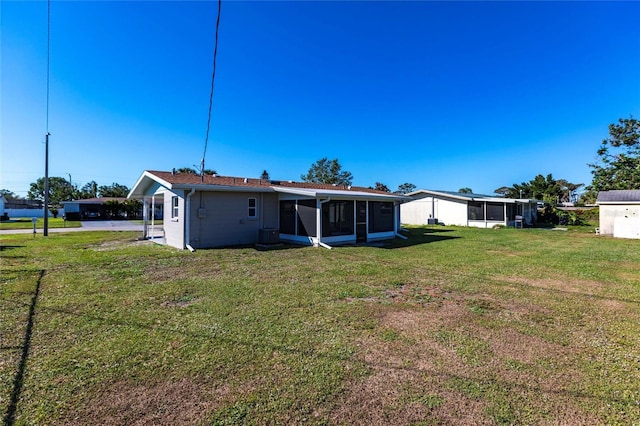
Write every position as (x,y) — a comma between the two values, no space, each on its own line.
(45,231)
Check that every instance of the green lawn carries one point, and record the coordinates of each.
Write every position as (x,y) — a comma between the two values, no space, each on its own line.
(453,326)
(26,223)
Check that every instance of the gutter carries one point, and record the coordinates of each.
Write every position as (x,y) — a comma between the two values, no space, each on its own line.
(187,220)
(318,224)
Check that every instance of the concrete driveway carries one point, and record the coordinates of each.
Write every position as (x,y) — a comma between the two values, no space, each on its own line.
(91,225)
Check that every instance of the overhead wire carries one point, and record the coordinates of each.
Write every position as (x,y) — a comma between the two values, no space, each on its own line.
(213,77)
(48,58)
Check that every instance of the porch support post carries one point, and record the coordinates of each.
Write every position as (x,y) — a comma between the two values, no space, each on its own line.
(506,218)
(484,205)
(319,224)
(153,215)
(145,214)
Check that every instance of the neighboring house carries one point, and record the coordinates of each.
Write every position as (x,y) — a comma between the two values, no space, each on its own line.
(620,213)
(99,209)
(20,208)
(215,211)
(465,209)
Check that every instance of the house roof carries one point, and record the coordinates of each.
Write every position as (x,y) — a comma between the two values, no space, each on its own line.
(99,200)
(469,196)
(619,196)
(230,183)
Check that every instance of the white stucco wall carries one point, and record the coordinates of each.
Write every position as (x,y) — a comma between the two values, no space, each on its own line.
(174,226)
(620,220)
(449,212)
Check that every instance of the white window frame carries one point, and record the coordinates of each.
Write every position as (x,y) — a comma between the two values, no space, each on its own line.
(253,208)
(175,207)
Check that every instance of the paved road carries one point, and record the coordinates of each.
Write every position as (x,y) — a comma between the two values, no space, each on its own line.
(94,225)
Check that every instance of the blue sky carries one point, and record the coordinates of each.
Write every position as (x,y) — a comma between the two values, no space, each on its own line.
(443,95)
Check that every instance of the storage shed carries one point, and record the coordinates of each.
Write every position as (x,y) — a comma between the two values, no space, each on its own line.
(620,213)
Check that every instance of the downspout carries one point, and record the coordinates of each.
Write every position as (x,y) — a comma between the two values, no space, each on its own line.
(319,222)
(396,212)
(187,221)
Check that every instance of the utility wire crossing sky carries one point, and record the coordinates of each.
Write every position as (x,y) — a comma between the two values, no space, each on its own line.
(443,95)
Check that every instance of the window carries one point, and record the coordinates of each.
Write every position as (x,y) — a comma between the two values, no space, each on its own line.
(476,210)
(380,216)
(337,218)
(175,209)
(253,208)
(495,211)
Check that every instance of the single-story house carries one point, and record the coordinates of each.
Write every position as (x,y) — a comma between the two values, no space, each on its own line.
(620,213)
(214,211)
(89,208)
(20,208)
(103,208)
(467,209)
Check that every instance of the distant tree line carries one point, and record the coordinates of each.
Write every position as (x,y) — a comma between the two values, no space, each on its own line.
(60,189)
(546,189)
(617,167)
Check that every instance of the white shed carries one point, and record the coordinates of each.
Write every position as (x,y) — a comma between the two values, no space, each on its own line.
(620,213)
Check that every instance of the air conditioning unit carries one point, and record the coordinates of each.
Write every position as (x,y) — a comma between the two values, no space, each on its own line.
(268,236)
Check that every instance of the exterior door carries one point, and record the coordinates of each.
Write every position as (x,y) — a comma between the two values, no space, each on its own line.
(361,221)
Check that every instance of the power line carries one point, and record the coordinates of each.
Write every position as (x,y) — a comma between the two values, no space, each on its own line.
(213,77)
(48,56)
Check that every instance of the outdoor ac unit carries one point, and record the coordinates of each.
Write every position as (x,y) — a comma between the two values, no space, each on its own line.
(268,236)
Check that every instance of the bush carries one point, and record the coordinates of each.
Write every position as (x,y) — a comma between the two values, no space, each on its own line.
(554,216)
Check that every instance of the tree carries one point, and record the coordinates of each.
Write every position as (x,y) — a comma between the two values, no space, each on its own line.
(569,189)
(8,195)
(329,172)
(544,188)
(465,190)
(503,190)
(187,170)
(132,208)
(618,165)
(113,190)
(265,175)
(59,190)
(192,171)
(405,188)
(381,187)
(89,190)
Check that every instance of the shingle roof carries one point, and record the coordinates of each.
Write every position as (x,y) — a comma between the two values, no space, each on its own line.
(619,196)
(196,179)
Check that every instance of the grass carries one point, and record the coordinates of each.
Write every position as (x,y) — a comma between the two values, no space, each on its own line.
(26,223)
(454,325)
